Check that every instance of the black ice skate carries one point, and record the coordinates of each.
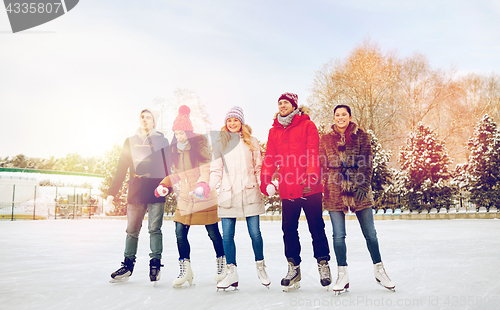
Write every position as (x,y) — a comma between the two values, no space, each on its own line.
(154,270)
(325,276)
(123,273)
(292,278)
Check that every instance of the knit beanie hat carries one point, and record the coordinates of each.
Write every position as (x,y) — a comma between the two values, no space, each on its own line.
(293,98)
(236,112)
(182,121)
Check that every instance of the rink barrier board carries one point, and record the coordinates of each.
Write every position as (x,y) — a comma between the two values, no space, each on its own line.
(389,217)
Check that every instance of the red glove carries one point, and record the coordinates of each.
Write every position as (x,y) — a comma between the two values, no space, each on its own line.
(161,190)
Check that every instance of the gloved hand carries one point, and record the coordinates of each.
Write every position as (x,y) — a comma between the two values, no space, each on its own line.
(309,182)
(265,181)
(360,194)
(202,191)
(110,199)
(161,190)
(271,190)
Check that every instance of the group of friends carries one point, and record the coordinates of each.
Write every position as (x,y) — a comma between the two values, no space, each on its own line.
(225,180)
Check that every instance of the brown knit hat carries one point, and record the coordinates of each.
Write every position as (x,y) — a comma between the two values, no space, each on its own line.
(182,121)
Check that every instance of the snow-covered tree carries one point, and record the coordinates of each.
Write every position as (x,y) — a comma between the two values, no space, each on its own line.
(483,169)
(424,178)
(273,203)
(382,175)
(107,167)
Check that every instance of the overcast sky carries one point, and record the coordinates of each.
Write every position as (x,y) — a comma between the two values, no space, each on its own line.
(78,83)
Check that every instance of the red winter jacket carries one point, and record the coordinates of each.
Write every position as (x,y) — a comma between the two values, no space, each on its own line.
(294,150)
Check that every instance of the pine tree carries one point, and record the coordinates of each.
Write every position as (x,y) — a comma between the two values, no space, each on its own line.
(424,178)
(483,177)
(382,176)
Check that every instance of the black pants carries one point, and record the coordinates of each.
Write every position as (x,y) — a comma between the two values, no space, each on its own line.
(313,210)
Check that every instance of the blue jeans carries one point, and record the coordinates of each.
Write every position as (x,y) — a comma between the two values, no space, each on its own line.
(228,228)
(181,232)
(135,216)
(313,209)
(365,219)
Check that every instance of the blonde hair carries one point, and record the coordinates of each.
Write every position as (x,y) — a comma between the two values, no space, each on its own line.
(246,132)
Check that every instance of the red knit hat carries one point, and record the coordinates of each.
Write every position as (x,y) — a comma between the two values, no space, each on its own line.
(182,121)
(291,97)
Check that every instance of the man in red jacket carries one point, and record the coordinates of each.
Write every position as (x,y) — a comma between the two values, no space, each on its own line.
(293,148)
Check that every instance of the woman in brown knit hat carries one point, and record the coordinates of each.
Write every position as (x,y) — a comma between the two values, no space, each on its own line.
(196,204)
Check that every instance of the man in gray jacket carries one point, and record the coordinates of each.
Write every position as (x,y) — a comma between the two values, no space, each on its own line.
(144,157)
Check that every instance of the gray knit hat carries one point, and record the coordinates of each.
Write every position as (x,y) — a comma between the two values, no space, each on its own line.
(237,112)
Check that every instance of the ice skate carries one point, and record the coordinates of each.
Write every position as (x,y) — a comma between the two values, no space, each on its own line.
(231,278)
(292,278)
(342,283)
(186,274)
(124,272)
(154,270)
(262,274)
(382,277)
(325,276)
(221,268)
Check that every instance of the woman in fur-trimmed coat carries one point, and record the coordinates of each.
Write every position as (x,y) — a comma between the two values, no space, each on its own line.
(346,159)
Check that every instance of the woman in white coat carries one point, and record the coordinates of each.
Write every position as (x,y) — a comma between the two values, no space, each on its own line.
(236,166)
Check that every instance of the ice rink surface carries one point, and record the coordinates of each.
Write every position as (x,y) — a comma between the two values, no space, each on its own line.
(66,264)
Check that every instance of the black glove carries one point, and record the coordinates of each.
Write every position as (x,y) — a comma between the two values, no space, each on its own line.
(309,182)
(360,194)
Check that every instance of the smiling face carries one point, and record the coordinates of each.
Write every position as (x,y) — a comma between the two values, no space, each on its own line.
(342,118)
(147,121)
(233,124)
(181,136)
(285,107)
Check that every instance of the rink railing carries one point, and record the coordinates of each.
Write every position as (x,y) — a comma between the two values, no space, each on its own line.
(34,202)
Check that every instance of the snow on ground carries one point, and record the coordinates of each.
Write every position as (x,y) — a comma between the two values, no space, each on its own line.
(66,264)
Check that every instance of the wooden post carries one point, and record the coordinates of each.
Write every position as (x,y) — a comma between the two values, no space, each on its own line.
(13,199)
(34,204)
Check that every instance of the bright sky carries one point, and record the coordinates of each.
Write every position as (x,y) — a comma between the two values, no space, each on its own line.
(78,83)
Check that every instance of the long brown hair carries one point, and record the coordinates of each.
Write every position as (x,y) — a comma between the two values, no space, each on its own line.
(196,154)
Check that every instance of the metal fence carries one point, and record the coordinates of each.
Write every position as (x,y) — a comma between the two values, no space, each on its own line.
(33,202)
(458,202)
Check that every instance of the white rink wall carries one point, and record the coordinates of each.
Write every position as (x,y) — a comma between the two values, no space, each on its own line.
(24,194)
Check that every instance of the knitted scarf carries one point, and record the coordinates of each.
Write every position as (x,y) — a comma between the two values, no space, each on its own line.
(286,120)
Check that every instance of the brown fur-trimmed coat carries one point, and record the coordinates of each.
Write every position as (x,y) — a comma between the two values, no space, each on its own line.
(345,169)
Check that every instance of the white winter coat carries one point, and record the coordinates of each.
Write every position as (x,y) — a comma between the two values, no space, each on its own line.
(237,169)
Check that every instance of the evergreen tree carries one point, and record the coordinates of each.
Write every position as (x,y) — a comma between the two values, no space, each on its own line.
(382,176)
(483,177)
(107,167)
(424,178)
